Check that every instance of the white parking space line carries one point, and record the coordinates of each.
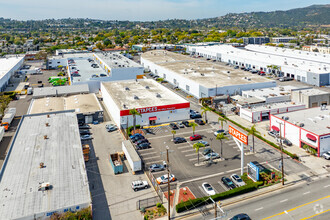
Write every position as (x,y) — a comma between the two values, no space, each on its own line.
(157,161)
(184,151)
(203,191)
(192,159)
(220,183)
(284,200)
(326,186)
(305,193)
(148,158)
(231,144)
(148,153)
(189,155)
(182,147)
(259,208)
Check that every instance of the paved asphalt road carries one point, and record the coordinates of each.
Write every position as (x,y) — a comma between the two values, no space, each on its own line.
(307,200)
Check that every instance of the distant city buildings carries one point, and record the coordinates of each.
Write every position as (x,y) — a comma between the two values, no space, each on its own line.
(256,40)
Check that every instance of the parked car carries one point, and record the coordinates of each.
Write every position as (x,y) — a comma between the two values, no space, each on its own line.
(84,127)
(326,155)
(109,125)
(174,126)
(139,184)
(144,145)
(165,179)
(208,189)
(199,121)
(236,67)
(284,141)
(237,180)
(207,151)
(274,134)
(186,123)
(195,137)
(241,216)
(282,79)
(204,142)
(103,75)
(180,125)
(112,128)
(156,167)
(219,131)
(178,140)
(135,135)
(83,132)
(212,155)
(254,71)
(141,141)
(228,183)
(86,137)
(137,138)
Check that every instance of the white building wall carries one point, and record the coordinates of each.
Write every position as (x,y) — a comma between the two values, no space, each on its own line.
(246,114)
(292,133)
(7,75)
(324,144)
(306,140)
(111,106)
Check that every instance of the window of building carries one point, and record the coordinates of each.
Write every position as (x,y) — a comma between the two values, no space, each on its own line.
(187,88)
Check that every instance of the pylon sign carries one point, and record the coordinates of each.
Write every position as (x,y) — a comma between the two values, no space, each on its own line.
(238,135)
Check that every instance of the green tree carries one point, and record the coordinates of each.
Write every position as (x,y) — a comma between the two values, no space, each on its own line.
(253,131)
(193,125)
(222,120)
(221,137)
(204,110)
(134,113)
(197,146)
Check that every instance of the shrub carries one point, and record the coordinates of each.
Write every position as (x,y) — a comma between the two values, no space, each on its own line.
(159,205)
(143,210)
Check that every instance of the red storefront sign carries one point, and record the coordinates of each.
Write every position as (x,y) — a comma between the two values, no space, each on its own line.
(157,108)
(238,135)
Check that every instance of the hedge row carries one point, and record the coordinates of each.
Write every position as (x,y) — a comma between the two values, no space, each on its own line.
(293,156)
(191,204)
(130,128)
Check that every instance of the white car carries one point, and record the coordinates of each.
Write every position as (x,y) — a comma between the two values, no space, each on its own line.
(164,179)
(219,132)
(208,189)
(326,155)
(237,180)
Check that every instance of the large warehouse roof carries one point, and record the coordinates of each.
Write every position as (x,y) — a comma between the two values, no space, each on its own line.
(6,64)
(116,60)
(140,94)
(86,71)
(205,73)
(314,119)
(84,103)
(60,90)
(64,167)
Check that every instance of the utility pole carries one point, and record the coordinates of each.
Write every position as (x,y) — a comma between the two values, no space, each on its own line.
(215,210)
(168,184)
(282,164)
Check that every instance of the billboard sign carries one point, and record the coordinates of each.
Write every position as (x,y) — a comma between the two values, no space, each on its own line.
(253,171)
(238,135)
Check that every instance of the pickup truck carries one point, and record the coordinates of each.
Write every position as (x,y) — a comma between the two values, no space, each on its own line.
(139,184)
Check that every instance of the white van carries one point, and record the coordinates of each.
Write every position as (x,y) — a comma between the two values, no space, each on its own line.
(29,91)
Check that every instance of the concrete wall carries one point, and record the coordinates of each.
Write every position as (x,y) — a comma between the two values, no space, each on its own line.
(111,106)
(6,76)
(292,133)
(303,137)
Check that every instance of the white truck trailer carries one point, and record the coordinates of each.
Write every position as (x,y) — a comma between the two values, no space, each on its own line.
(133,158)
(8,118)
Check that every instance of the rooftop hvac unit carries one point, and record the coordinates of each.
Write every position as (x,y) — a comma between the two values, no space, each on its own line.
(158,95)
(136,97)
(126,88)
(44,186)
(147,87)
(301,125)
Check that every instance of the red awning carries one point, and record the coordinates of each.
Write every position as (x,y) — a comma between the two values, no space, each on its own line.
(152,118)
(311,137)
(275,128)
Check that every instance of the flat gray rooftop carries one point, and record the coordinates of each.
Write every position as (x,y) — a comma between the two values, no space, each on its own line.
(207,74)
(273,92)
(311,92)
(60,90)
(116,60)
(64,169)
(86,70)
(146,97)
(314,119)
(82,103)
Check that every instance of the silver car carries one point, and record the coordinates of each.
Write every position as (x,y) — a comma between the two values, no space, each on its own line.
(156,167)
(237,180)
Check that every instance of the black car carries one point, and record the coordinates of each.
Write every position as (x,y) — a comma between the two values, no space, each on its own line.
(173,126)
(241,216)
(84,126)
(199,121)
(207,151)
(136,138)
(141,141)
(143,146)
(178,140)
(84,131)
(228,183)
(186,123)
(195,115)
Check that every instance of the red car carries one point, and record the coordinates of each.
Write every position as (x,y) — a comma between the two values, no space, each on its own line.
(195,137)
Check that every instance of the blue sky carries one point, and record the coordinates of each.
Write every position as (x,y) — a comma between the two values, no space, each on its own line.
(142,10)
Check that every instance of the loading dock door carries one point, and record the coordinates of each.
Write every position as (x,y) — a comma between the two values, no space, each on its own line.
(89,119)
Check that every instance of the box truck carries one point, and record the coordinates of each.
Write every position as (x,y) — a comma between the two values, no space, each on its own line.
(8,118)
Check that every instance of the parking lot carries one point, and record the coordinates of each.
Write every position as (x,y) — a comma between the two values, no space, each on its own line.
(184,162)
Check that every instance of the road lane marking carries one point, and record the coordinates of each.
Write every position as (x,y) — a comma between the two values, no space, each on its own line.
(281,213)
(326,186)
(284,200)
(259,208)
(315,215)
(306,193)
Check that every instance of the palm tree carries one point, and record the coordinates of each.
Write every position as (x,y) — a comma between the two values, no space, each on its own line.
(253,131)
(193,125)
(134,112)
(222,120)
(204,110)
(220,137)
(197,146)
(173,132)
